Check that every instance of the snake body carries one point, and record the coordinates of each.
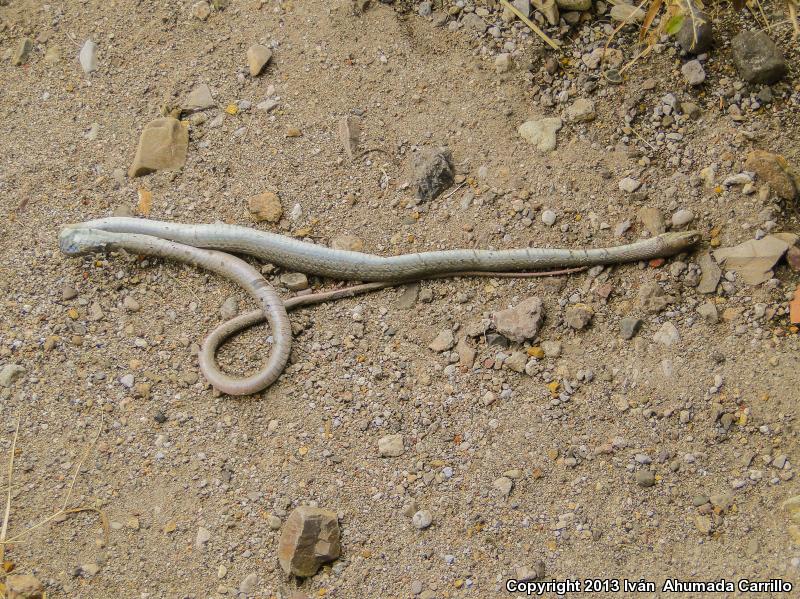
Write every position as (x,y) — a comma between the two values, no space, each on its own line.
(193,243)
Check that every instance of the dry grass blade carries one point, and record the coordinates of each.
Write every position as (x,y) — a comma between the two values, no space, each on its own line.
(64,510)
(652,11)
(7,514)
(547,39)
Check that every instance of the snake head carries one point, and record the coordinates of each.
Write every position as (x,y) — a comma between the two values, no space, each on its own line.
(78,241)
(677,241)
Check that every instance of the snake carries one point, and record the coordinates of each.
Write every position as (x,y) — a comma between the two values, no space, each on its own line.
(211,247)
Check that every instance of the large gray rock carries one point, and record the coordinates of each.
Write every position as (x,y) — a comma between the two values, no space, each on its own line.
(521,322)
(757,58)
(695,35)
(310,538)
(433,172)
(162,147)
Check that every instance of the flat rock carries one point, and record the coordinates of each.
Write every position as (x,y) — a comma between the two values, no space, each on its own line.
(653,220)
(347,243)
(627,13)
(708,312)
(774,169)
(711,274)
(23,586)
(628,327)
(408,297)
(757,58)
(443,341)
(582,110)
(294,281)
(199,98)
(350,134)
(257,58)
(541,133)
(521,322)
(629,185)
(22,51)
(265,207)
(667,335)
(10,373)
(578,316)
(310,538)
(754,260)
(162,147)
(390,446)
(653,298)
(473,23)
(88,57)
(504,485)
(574,4)
(682,217)
(433,172)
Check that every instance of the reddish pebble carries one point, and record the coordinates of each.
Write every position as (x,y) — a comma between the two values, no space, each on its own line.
(656,262)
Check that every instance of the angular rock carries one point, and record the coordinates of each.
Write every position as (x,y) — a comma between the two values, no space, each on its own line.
(503,63)
(22,52)
(578,316)
(627,13)
(653,298)
(548,8)
(350,134)
(443,341)
(628,327)
(201,10)
(757,58)
(653,220)
(695,35)
(574,4)
(629,185)
(466,353)
(711,274)
(310,538)
(265,207)
(199,99)
(348,243)
(162,147)
(521,322)
(773,168)
(753,260)
(693,72)
(88,57)
(391,446)
(422,519)
(708,312)
(10,373)
(516,361)
(294,281)
(23,586)
(541,133)
(504,485)
(582,110)
(667,335)
(433,172)
(473,23)
(257,58)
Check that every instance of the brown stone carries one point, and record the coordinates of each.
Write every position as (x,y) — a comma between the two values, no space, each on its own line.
(310,538)
(265,207)
(349,243)
(257,58)
(793,258)
(162,147)
(775,170)
(521,322)
(23,586)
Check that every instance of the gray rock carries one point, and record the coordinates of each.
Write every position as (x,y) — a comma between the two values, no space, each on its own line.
(425,9)
(582,110)
(574,4)
(294,281)
(629,185)
(199,99)
(22,52)
(504,485)
(578,316)
(443,341)
(408,297)
(667,335)
(541,133)
(548,217)
(757,58)
(229,308)
(653,298)
(516,361)
(521,322)
(203,536)
(391,446)
(645,478)
(711,274)
(257,58)
(695,35)
(10,373)
(628,327)
(422,519)
(473,23)
(682,217)
(248,584)
(433,172)
(653,220)
(627,13)
(693,72)
(708,312)
(88,57)
(523,6)
(551,349)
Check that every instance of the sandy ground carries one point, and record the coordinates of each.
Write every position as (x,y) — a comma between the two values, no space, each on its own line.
(175,458)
